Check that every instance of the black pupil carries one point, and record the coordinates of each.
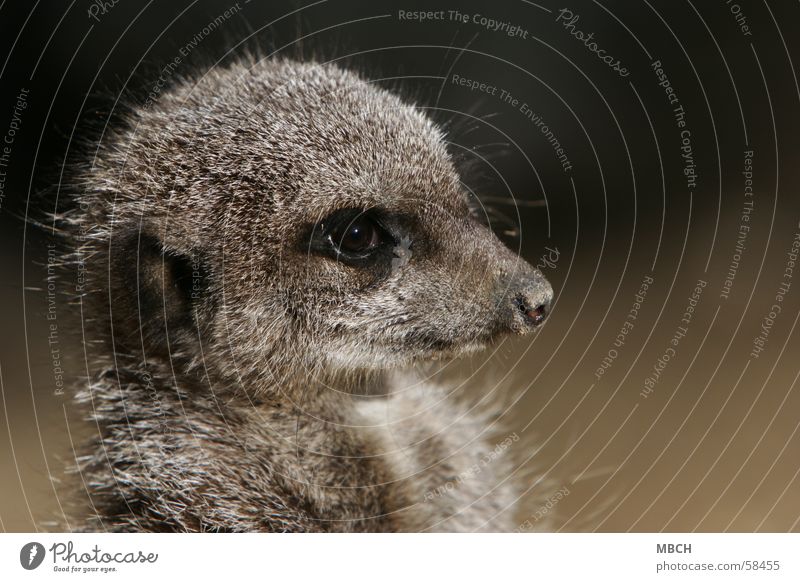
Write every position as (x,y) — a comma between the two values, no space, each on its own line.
(359,236)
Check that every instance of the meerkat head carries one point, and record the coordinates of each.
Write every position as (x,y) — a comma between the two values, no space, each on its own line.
(273,219)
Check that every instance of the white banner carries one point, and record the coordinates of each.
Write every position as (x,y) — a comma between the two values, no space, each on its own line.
(372,557)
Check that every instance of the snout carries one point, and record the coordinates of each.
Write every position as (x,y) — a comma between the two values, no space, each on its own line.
(526,299)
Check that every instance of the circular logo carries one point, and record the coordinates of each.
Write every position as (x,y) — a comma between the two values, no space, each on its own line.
(31,555)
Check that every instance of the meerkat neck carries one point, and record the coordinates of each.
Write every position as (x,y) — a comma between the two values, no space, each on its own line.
(320,391)
(335,385)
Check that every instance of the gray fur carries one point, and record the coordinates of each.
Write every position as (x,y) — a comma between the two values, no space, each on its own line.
(231,396)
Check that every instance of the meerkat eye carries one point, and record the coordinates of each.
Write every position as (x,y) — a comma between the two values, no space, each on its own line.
(355,234)
(360,236)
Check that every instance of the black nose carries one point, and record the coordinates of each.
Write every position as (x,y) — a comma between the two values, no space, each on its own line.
(533,312)
(523,300)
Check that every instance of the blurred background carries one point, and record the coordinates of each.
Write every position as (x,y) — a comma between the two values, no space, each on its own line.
(662,139)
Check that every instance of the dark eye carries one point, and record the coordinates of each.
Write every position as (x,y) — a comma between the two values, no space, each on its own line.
(358,236)
(355,236)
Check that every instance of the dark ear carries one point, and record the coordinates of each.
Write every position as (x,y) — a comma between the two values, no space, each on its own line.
(154,294)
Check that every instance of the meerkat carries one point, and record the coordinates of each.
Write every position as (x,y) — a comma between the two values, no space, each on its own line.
(262,248)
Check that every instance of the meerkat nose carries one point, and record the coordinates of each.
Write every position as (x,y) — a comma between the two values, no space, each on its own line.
(530,305)
(533,313)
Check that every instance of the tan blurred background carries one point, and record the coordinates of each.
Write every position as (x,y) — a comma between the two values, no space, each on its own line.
(714,446)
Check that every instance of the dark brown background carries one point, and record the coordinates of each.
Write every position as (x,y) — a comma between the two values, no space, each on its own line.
(714,447)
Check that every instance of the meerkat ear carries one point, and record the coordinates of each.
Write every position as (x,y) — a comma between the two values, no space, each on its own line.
(154,292)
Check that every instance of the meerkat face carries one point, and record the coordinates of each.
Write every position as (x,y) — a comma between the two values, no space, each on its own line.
(416,276)
(304,218)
